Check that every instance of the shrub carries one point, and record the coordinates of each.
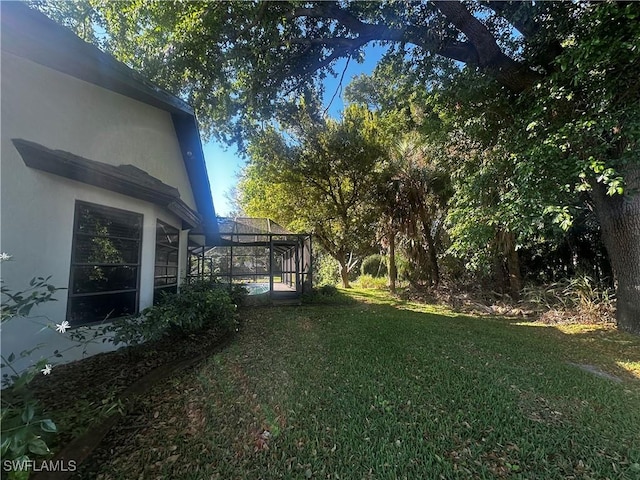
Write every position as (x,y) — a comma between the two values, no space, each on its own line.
(326,270)
(197,306)
(25,430)
(374,265)
(237,292)
(197,309)
(578,298)
(328,290)
(327,295)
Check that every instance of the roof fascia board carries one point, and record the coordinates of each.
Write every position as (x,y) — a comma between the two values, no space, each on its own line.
(193,156)
(32,35)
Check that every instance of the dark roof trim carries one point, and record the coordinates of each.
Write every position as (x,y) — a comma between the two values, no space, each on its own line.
(191,147)
(125,179)
(32,35)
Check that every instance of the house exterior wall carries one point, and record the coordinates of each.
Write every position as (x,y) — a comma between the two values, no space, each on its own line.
(37,208)
(58,111)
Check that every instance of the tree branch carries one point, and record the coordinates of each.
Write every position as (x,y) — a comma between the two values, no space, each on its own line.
(507,71)
(481,49)
(338,88)
(521,16)
(518,14)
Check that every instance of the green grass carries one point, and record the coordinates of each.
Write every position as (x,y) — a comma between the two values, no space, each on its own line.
(385,389)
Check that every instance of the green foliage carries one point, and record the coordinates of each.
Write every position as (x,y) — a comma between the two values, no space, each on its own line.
(326,269)
(20,303)
(374,266)
(24,428)
(416,204)
(581,293)
(534,108)
(371,282)
(238,293)
(197,306)
(326,295)
(321,182)
(403,266)
(135,329)
(328,290)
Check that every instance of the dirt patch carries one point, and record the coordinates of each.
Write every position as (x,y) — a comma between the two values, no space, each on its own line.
(596,371)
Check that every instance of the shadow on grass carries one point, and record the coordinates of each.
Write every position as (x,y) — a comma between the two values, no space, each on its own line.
(614,352)
(362,375)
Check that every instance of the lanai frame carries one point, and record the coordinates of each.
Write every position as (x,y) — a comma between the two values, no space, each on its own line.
(254,251)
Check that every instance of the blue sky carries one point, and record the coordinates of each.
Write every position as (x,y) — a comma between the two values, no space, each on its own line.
(224,163)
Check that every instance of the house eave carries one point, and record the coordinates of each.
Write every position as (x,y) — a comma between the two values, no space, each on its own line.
(30,34)
(124,179)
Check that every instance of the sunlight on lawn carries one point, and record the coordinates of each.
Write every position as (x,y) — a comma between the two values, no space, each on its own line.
(385,389)
(594,343)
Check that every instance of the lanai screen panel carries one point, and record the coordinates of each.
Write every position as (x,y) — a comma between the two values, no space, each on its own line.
(257,251)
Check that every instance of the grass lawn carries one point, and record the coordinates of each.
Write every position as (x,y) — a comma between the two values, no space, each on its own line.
(382,389)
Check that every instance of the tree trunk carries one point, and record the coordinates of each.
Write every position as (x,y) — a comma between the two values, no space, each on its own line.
(431,245)
(433,257)
(344,274)
(619,218)
(513,265)
(393,272)
(507,263)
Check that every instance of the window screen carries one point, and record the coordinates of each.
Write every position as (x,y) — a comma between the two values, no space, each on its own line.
(105,264)
(166,269)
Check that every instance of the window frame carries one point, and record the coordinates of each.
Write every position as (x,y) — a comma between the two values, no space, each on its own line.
(74,264)
(173,287)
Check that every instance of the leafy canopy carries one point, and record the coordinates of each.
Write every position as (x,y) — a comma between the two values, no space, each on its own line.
(322,179)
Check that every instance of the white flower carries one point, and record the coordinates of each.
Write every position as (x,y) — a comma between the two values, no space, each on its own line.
(62,327)
(4,256)
(47,369)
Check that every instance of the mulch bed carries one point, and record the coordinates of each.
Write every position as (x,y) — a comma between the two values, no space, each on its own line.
(85,386)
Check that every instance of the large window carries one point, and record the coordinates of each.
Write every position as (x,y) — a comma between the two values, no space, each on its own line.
(166,273)
(105,264)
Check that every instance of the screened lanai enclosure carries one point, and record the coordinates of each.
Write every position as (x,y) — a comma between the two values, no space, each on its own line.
(256,252)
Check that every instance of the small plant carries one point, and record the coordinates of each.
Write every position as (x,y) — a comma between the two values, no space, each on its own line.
(24,428)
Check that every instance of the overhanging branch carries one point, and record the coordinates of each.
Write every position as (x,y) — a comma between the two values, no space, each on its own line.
(491,58)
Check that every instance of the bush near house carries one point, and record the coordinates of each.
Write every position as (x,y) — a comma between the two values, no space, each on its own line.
(198,305)
(25,429)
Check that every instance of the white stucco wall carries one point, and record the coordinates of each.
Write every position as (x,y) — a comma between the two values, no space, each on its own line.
(37,208)
(63,113)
